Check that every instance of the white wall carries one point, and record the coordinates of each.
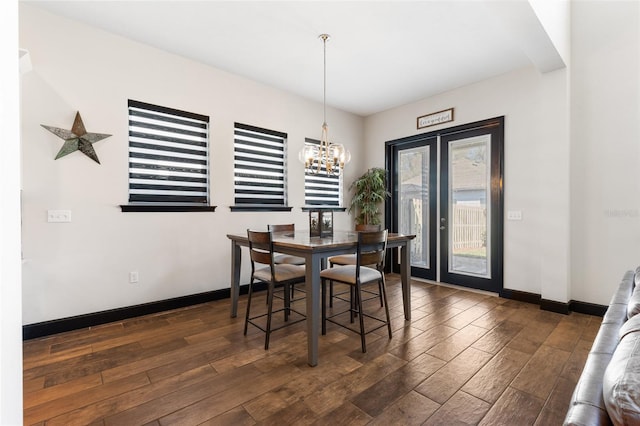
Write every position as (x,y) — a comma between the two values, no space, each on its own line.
(82,266)
(605,149)
(536,166)
(10,297)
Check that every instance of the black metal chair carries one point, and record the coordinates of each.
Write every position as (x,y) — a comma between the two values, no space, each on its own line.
(287,259)
(371,250)
(350,259)
(264,269)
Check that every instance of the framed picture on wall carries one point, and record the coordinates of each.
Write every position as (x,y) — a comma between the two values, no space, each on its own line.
(435,118)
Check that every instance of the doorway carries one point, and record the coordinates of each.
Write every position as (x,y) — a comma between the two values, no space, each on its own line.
(447,188)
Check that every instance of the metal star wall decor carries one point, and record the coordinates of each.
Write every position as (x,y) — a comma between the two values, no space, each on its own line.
(77,139)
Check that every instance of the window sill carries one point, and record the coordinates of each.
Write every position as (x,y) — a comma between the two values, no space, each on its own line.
(324,208)
(149,208)
(260,208)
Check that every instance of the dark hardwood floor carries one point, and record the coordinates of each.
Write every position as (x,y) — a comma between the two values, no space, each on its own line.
(464,358)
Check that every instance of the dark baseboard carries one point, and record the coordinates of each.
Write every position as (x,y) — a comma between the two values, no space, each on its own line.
(46,328)
(552,305)
(521,296)
(588,308)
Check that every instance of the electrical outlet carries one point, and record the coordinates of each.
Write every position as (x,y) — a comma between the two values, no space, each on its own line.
(58,216)
(133,277)
(514,215)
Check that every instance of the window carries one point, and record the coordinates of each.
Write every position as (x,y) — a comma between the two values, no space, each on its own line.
(259,166)
(320,189)
(168,157)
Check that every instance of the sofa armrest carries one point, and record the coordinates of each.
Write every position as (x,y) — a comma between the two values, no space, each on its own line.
(587,405)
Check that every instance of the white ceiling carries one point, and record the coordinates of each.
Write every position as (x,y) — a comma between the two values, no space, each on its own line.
(381,54)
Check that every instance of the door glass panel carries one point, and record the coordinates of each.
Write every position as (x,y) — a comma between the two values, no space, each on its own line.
(413,217)
(469,213)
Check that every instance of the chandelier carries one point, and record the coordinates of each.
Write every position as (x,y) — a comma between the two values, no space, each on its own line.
(328,156)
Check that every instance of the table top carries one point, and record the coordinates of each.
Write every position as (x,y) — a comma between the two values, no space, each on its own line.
(302,240)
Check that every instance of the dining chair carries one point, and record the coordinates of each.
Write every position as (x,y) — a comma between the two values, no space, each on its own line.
(265,270)
(350,259)
(289,259)
(371,250)
(285,258)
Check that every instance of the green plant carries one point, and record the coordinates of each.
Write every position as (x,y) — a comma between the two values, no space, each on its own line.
(370,190)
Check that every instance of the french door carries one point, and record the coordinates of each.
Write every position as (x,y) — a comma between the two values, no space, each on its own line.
(446,189)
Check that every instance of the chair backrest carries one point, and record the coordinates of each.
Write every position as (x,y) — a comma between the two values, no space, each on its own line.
(282,228)
(260,247)
(368,227)
(372,248)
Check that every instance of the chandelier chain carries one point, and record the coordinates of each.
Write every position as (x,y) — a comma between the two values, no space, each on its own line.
(324,37)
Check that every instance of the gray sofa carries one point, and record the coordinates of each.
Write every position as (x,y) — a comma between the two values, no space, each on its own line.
(608,391)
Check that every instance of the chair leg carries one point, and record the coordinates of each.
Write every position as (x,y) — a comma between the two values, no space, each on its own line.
(383,291)
(324,305)
(359,308)
(246,318)
(331,294)
(287,300)
(352,306)
(269,310)
(331,289)
(380,290)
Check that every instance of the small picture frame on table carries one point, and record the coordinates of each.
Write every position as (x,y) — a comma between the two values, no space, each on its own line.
(320,223)
(314,223)
(326,223)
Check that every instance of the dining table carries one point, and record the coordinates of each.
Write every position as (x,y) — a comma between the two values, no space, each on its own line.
(315,250)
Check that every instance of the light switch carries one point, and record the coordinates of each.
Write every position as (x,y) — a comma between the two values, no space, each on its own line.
(514,215)
(57,216)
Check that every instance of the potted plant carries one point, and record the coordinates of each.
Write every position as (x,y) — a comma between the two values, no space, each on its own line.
(370,190)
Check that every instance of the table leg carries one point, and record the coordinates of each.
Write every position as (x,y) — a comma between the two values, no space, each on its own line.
(312,287)
(236,255)
(405,276)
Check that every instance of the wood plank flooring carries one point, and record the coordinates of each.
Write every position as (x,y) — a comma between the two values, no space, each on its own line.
(464,358)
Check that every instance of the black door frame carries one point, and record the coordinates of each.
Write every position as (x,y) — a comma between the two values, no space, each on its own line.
(391,208)
(497,188)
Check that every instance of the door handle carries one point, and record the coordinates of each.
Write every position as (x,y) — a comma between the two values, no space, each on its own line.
(442,228)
